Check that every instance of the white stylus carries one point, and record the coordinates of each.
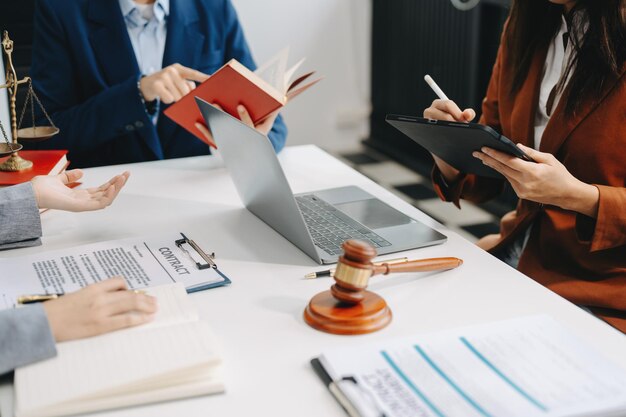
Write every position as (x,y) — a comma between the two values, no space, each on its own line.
(429,80)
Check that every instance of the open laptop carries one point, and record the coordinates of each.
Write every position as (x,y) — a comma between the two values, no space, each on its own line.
(317,222)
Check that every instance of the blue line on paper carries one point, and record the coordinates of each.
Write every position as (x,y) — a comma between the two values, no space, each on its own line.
(411,384)
(503,376)
(450,382)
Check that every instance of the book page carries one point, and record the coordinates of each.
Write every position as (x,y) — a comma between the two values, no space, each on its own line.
(142,262)
(119,362)
(174,305)
(273,71)
(519,368)
(289,75)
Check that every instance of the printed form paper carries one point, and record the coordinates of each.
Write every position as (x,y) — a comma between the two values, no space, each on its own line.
(519,368)
(142,262)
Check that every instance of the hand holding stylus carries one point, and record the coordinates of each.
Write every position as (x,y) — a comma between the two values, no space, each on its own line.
(445,109)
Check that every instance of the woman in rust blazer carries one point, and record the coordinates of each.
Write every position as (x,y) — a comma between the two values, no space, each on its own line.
(569,227)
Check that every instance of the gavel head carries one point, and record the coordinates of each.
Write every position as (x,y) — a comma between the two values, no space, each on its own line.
(354,269)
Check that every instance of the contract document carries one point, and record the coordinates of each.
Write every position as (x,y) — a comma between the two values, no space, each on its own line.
(524,367)
(142,262)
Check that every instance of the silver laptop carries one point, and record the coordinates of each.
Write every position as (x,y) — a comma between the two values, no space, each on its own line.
(317,222)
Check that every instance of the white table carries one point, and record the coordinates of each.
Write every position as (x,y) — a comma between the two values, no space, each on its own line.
(267,345)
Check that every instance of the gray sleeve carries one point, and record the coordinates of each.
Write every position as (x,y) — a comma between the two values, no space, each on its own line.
(25,337)
(20,224)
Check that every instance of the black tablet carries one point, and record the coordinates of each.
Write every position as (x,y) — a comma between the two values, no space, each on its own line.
(454,142)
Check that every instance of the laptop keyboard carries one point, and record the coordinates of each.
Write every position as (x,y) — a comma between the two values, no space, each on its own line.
(330,228)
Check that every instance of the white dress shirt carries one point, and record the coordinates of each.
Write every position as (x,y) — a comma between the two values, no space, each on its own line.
(147,29)
(557,60)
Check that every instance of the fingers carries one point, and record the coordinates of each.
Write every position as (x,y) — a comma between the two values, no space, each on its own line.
(207,134)
(123,321)
(71,176)
(448,107)
(118,179)
(449,111)
(244,116)
(436,114)
(191,74)
(108,285)
(123,302)
(499,161)
(161,92)
(541,157)
(469,115)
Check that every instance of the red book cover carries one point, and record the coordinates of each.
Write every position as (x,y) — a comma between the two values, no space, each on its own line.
(44,163)
(231,85)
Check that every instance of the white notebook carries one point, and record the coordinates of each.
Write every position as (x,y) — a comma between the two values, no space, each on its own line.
(173,357)
(525,367)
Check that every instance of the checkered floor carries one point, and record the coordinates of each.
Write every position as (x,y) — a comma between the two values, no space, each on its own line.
(472,222)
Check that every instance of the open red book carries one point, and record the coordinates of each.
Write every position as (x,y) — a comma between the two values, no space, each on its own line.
(262,92)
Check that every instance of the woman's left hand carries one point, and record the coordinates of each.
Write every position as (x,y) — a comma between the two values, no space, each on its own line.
(545,181)
(264,126)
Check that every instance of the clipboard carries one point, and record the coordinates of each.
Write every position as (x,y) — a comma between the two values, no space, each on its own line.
(206,261)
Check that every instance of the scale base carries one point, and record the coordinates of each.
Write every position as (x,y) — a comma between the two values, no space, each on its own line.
(15,163)
(329,315)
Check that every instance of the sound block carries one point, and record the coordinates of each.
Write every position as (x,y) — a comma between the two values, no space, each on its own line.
(329,315)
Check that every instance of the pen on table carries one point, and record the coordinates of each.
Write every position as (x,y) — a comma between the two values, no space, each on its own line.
(40,298)
(429,80)
(330,272)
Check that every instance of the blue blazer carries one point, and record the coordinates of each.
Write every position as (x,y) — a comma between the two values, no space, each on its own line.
(85,73)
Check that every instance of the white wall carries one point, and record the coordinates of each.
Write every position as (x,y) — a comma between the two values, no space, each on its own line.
(334,36)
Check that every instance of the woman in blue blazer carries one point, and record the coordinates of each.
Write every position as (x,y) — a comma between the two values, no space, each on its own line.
(106,69)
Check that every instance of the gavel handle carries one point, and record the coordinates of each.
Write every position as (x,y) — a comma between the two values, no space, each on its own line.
(419,265)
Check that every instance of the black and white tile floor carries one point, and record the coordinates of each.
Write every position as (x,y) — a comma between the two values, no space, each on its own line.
(471,221)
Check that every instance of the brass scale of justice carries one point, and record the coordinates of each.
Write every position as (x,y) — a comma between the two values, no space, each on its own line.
(28,134)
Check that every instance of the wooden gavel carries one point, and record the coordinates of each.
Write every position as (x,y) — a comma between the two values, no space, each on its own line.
(355,268)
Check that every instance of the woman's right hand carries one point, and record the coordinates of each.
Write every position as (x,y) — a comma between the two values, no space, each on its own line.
(449,111)
(98,308)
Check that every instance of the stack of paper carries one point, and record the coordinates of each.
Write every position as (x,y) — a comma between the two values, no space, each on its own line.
(519,368)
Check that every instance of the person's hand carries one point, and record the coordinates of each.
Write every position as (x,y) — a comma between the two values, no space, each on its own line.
(52,192)
(98,308)
(207,134)
(545,181)
(170,84)
(449,111)
(264,126)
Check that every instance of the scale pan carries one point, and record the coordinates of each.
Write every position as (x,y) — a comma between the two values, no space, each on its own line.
(9,148)
(36,134)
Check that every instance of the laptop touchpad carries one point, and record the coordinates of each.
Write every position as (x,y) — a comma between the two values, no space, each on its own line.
(373,213)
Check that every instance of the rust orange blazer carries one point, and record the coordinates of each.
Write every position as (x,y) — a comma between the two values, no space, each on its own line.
(580,258)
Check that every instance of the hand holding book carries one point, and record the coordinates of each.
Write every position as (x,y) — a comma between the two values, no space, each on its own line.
(261,93)
(264,126)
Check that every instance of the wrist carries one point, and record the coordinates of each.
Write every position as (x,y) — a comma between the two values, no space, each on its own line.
(36,193)
(150,102)
(583,199)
